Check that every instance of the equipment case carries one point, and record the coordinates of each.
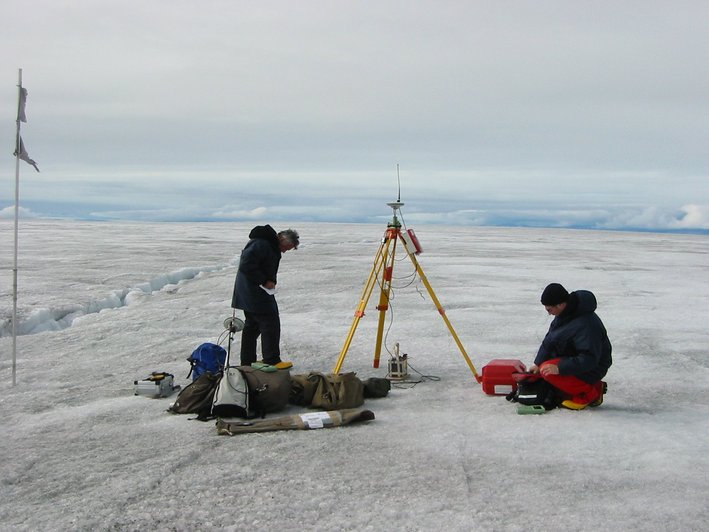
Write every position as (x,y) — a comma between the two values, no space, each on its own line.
(497,376)
(159,384)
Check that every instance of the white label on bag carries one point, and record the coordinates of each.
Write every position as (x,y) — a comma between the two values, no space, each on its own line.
(315,420)
(503,388)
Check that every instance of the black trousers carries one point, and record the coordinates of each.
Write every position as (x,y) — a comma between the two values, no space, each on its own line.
(268,327)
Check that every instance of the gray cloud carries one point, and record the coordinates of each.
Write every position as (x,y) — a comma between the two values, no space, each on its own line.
(525,105)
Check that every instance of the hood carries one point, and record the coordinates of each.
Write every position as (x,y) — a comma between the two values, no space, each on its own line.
(265,232)
(586,302)
(580,302)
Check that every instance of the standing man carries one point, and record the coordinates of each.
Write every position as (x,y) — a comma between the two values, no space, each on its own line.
(254,291)
(576,352)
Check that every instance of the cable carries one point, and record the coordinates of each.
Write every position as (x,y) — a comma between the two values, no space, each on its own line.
(408,384)
(391,324)
(411,276)
(425,377)
(222,337)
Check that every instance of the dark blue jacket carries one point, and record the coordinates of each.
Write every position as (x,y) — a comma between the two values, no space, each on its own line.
(258,263)
(579,338)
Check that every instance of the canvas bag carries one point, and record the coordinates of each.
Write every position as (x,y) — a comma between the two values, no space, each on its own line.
(231,398)
(336,391)
(302,389)
(268,390)
(197,397)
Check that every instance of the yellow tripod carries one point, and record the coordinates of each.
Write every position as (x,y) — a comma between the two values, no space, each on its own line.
(381,274)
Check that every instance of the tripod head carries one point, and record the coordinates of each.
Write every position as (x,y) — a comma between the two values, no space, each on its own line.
(396,207)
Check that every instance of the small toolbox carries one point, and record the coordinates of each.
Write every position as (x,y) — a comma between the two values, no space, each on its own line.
(158,384)
(497,376)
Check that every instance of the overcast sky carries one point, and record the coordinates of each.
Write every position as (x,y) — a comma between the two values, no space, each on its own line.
(538,112)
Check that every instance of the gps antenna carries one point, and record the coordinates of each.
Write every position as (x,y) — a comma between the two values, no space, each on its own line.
(398,180)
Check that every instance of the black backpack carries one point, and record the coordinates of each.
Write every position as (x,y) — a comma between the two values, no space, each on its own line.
(532,389)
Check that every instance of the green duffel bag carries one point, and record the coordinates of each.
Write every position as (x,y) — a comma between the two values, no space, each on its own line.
(302,389)
(337,391)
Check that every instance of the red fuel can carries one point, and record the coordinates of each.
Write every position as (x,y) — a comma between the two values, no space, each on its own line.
(497,376)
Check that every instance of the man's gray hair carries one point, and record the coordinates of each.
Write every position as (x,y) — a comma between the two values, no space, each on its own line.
(291,236)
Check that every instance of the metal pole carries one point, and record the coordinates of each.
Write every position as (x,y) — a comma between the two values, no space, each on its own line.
(17,211)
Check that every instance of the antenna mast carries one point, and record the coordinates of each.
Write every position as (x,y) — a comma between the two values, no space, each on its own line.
(396,205)
(398,181)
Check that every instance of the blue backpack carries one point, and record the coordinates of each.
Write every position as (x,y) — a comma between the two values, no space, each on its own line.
(207,357)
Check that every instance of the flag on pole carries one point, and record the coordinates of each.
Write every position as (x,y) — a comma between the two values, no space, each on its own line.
(21,117)
(24,155)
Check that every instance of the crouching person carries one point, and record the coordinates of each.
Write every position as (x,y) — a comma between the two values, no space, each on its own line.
(576,352)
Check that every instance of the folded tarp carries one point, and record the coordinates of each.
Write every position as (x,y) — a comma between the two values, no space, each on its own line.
(307,421)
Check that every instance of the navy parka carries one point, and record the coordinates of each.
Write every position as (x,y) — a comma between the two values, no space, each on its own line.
(258,264)
(579,338)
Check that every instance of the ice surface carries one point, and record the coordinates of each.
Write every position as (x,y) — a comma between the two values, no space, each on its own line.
(104,304)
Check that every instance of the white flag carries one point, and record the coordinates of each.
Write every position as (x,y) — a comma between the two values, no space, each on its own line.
(25,156)
(21,108)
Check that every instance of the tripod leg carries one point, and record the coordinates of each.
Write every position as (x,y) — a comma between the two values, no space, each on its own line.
(379,261)
(441,311)
(384,295)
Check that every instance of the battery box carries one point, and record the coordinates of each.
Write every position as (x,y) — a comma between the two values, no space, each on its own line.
(158,384)
(497,376)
